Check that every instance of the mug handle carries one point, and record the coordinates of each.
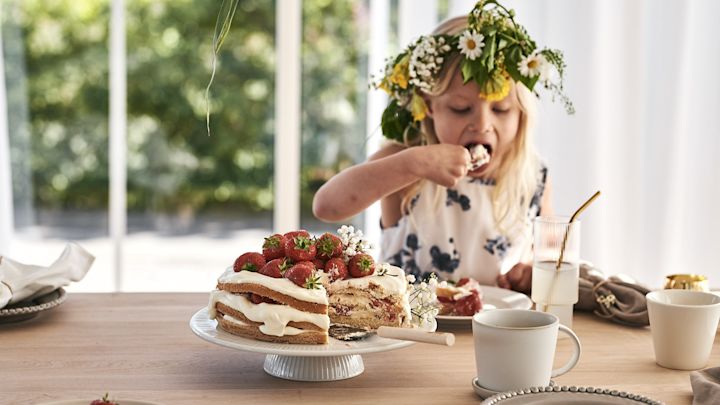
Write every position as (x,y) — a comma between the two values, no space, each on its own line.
(575,356)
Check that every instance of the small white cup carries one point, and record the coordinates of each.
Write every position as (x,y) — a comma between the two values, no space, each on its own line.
(683,325)
(515,348)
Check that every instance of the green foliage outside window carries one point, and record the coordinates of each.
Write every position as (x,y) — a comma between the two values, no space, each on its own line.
(57,72)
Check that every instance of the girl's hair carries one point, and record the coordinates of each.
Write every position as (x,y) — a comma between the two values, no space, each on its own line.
(517,176)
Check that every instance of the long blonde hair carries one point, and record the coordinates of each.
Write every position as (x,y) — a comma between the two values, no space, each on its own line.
(517,177)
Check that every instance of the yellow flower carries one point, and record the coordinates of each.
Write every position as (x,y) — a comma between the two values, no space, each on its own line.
(496,87)
(400,72)
(385,86)
(418,108)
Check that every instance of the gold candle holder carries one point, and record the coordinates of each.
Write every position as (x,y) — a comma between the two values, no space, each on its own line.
(693,282)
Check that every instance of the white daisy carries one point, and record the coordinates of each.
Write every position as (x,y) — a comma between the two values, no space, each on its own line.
(471,44)
(533,65)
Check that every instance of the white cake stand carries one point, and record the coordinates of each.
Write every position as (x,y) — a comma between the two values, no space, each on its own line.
(337,360)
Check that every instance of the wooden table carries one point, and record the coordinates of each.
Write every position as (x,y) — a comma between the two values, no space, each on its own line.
(139,346)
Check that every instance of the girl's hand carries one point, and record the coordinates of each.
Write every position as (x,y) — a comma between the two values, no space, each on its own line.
(519,278)
(444,164)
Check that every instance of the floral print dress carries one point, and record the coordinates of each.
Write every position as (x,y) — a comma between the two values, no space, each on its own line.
(452,232)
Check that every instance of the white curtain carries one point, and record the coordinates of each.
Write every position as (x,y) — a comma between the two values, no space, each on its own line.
(643,76)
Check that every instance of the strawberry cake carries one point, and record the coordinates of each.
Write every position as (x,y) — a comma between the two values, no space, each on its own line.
(461,299)
(299,285)
(372,301)
(261,307)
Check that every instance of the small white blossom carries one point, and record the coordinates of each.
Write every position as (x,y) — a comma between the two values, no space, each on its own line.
(410,278)
(352,241)
(471,44)
(423,301)
(426,61)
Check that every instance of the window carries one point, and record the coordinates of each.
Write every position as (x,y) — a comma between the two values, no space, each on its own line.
(192,202)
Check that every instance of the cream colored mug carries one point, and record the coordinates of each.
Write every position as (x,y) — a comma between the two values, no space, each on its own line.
(683,324)
(515,348)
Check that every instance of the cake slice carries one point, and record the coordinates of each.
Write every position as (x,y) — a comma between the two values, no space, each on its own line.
(479,156)
(257,306)
(461,299)
(379,299)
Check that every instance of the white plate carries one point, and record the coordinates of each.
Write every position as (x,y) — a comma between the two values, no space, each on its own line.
(493,298)
(568,396)
(207,329)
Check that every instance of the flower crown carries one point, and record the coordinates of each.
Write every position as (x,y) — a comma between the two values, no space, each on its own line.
(494,50)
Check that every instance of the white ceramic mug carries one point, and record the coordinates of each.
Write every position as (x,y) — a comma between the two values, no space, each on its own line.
(683,325)
(515,348)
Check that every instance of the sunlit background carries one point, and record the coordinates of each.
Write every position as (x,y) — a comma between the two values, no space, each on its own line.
(642,75)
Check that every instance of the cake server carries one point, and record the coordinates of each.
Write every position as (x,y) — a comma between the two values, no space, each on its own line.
(348,333)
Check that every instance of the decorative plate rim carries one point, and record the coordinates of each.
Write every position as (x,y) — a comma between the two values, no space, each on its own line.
(31,309)
(498,398)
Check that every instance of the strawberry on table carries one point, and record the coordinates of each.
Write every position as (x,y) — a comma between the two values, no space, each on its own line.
(250,261)
(300,248)
(273,247)
(303,275)
(328,246)
(276,267)
(361,265)
(336,269)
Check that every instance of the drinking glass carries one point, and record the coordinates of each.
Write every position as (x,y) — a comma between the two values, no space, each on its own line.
(556,290)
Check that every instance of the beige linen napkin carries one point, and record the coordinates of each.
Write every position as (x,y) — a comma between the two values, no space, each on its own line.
(20,282)
(616,298)
(706,386)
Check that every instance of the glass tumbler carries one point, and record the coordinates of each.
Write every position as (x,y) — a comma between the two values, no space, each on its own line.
(554,289)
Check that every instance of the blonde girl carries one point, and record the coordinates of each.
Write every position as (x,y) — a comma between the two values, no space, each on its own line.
(440,212)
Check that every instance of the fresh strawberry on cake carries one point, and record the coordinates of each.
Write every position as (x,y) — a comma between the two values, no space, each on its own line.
(279,302)
(293,296)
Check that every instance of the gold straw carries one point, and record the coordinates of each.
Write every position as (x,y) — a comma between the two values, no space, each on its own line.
(572,219)
(562,248)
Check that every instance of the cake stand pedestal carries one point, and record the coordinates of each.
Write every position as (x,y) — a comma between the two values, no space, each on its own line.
(297,368)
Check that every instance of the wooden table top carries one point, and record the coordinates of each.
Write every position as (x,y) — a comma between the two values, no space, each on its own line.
(139,346)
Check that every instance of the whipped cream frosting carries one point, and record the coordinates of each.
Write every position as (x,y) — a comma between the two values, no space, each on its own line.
(392,282)
(459,292)
(289,330)
(274,317)
(281,285)
(479,156)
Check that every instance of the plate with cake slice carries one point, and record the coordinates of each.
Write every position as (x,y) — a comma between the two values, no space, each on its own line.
(459,301)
